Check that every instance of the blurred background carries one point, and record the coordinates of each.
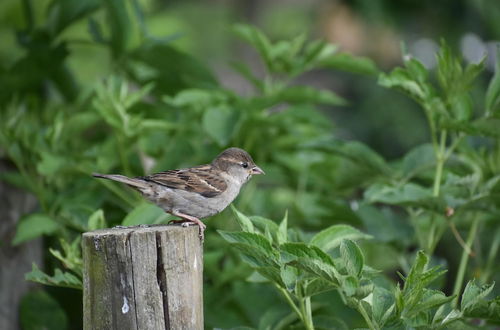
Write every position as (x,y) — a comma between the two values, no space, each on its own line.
(173,67)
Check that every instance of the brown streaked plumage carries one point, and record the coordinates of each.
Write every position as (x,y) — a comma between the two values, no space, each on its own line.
(197,192)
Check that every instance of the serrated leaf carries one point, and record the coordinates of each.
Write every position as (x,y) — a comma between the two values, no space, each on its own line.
(272,274)
(255,257)
(473,294)
(382,300)
(310,259)
(253,240)
(61,279)
(331,237)
(33,226)
(352,256)
(430,299)
(282,233)
(264,225)
(416,271)
(244,222)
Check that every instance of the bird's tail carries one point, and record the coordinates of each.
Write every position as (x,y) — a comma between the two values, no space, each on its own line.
(136,183)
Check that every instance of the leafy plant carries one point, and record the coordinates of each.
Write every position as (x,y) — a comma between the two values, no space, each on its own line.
(331,260)
(142,105)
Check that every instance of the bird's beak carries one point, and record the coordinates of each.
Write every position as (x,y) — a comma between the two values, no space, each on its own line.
(257,170)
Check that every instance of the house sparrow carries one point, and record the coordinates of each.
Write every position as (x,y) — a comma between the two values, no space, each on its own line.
(197,192)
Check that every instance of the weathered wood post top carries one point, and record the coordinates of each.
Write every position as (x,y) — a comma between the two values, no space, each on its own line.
(143,278)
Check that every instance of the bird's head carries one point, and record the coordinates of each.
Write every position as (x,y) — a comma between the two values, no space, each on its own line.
(237,163)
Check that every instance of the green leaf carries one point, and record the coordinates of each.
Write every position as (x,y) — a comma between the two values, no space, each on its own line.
(331,237)
(361,155)
(272,274)
(121,25)
(429,300)
(350,285)
(258,40)
(382,305)
(220,123)
(145,214)
(416,271)
(474,294)
(317,286)
(493,92)
(282,233)
(188,72)
(50,164)
(38,310)
(406,194)
(310,259)
(63,13)
(72,258)
(255,249)
(265,226)
(289,276)
(33,226)
(254,240)
(352,256)
(96,220)
(419,159)
(244,222)
(401,80)
(61,279)
(247,73)
(350,63)
(416,70)
(485,126)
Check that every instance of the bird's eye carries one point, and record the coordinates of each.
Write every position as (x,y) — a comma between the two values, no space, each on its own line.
(245,165)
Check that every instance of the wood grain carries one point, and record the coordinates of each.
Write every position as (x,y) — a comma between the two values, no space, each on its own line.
(143,278)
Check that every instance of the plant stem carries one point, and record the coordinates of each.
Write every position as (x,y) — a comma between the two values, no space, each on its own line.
(291,303)
(440,152)
(440,160)
(305,308)
(463,261)
(363,312)
(485,275)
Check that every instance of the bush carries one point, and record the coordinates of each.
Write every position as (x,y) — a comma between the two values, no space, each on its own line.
(160,108)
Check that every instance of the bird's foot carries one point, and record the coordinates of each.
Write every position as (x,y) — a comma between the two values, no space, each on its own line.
(187,220)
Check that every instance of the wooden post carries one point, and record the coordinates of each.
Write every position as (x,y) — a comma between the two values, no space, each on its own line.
(143,278)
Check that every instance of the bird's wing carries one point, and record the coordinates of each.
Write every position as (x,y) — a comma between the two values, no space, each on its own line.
(201,179)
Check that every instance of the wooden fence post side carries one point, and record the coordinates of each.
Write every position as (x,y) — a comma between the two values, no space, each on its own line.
(143,278)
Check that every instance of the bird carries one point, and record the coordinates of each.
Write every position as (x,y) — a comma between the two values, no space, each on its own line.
(197,192)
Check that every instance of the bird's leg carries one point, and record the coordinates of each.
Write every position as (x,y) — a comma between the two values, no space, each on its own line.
(188,218)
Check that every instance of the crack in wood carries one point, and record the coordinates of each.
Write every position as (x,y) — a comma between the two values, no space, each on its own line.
(161,279)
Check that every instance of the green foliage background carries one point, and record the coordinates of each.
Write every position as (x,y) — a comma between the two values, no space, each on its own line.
(130,87)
